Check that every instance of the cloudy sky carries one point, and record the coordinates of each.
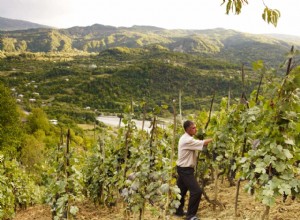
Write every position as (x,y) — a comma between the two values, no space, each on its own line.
(170,14)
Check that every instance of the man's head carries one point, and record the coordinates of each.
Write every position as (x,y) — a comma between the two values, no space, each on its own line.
(190,127)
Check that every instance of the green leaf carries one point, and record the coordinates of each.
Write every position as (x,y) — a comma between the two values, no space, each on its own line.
(136,208)
(260,170)
(277,151)
(274,183)
(268,192)
(271,16)
(289,141)
(269,201)
(287,154)
(295,184)
(165,188)
(269,159)
(164,106)
(258,65)
(243,160)
(219,158)
(135,185)
(285,189)
(264,178)
(228,6)
(260,167)
(291,115)
(74,210)
(279,166)
(287,176)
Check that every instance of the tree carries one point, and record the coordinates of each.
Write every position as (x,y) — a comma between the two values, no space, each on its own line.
(32,152)
(10,129)
(38,120)
(269,15)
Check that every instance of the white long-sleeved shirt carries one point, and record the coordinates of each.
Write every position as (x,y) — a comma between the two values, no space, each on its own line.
(187,150)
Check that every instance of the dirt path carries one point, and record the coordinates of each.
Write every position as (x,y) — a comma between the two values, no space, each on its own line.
(248,209)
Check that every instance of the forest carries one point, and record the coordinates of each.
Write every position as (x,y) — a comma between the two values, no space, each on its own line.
(107,82)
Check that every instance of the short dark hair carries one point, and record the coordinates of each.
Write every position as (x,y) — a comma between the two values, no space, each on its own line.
(187,124)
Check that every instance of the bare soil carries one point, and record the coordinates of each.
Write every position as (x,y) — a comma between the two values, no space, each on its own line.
(248,209)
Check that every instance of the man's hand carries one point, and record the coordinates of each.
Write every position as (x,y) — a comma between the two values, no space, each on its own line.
(207,141)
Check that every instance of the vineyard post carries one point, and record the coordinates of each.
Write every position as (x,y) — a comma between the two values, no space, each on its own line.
(215,170)
(210,111)
(102,152)
(174,138)
(67,169)
(94,130)
(243,101)
(258,89)
(229,99)
(120,120)
(4,166)
(102,149)
(171,157)
(180,106)
(288,70)
(265,215)
(237,197)
(144,116)
(126,149)
(61,142)
(127,138)
(151,143)
(216,187)
(206,125)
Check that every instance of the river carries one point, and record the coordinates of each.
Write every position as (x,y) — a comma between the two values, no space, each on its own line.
(114,121)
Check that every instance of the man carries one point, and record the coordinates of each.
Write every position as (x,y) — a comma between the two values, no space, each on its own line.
(187,158)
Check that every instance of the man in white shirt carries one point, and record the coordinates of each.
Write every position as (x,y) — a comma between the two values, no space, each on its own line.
(188,148)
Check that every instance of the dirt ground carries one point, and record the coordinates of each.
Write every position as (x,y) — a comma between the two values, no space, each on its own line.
(248,209)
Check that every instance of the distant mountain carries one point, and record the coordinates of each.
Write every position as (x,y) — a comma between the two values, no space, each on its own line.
(288,38)
(229,45)
(7,24)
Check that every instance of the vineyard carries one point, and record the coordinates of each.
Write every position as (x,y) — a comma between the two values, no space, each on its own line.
(129,173)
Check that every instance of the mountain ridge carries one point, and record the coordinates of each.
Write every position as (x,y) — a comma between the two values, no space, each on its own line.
(8,24)
(225,44)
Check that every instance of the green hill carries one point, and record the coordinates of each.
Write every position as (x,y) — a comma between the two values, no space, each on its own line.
(109,81)
(230,45)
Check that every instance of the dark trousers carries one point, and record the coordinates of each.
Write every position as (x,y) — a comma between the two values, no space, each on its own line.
(186,181)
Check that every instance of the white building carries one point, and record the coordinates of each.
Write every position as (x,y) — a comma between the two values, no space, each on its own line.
(53,121)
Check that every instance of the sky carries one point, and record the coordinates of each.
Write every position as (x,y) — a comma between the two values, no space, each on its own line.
(169,14)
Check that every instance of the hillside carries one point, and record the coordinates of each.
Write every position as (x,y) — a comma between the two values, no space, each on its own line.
(104,67)
(288,38)
(7,24)
(108,81)
(230,45)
